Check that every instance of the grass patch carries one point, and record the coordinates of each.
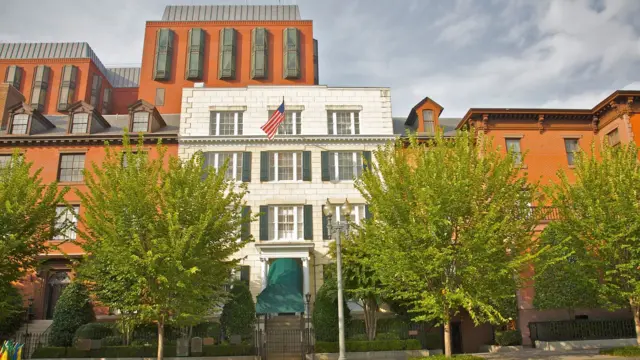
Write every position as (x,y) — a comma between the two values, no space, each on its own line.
(442,357)
(627,351)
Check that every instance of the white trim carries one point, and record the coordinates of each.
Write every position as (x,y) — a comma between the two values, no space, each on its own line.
(235,123)
(276,215)
(295,166)
(335,123)
(275,166)
(235,166)
(295,222)
(293,120)
(353,123)
(218,124)
(335,167)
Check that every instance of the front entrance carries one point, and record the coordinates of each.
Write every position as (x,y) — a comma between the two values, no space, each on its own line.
(283,291)
(56,283)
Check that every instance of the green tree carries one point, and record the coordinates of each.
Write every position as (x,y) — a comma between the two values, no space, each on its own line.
(239,313)
(600,211)
(73,310)
(361,281)
(452,227)
(325,311)
(13,313)
(161,235)
(27,213)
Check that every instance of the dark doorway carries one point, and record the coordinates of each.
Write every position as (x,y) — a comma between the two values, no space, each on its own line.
(56,283)
(456,338)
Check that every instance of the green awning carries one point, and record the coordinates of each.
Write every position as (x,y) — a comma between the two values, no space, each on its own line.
(283,293)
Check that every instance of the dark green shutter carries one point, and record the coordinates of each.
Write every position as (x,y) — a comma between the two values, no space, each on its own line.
(308,222)
(264,166)
(227,54)
(324,160)
(246,167)
(14,75)
(366,163)
(306,166)
(40,87)
(67,87)
(291,55)
(316,70)
(367,213)
(245,274)
(164,54)
(195,54)
(259,54)
(264,222)
(325,228)
(245,231)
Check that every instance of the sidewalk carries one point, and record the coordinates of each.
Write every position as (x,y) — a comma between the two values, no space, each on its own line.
(535,354)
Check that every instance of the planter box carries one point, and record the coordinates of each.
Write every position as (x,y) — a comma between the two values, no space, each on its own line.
(499,349)
(584,344)
(172,358)
(376,355)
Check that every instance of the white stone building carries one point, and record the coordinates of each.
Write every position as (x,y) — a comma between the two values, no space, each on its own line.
(319,149)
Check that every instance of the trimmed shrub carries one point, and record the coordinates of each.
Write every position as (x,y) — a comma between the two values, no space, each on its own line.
(508,338)
(73,310)
(112,341)
(364,346)
(387,336)
(94,331)
(76,353)
(12,313)
(325,312)
(627,351)
(49,352)
(227,350)
(239,313)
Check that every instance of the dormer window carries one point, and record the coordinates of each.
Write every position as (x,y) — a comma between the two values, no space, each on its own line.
(20,124)
(140,121)
(80,123)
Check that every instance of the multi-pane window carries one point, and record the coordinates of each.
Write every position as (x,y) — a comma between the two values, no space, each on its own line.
(343,122)
(513,145)
(20,123)
(286,223)
(571,146)
(71,166)
(614,137)
(234,163)
(285,166)
(66,222)
(292,124)
(358,213)
(345,165)
(140,121)
(427,117)
(4,160)
(226,123)
(80,123)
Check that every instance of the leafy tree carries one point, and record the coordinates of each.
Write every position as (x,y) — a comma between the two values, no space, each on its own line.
(73,310)
(239,313)
(360,278)
(161,235)
(13,312)
(325,311)
(27,213)
(600,212)
(452,227)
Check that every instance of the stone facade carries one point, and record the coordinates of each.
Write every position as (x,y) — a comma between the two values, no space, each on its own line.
(312,103)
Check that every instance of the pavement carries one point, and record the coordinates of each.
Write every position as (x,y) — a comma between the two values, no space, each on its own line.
(535,354)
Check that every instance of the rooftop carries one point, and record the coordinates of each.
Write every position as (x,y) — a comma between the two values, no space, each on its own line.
(231,13)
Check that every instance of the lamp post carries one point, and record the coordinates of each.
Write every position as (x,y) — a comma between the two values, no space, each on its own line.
(338,228)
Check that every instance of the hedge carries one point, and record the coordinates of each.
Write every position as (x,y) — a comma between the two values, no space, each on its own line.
(627,351)
(94,331)
(508,338)
(363,346)
(13,313)
(73,310)
(226,350)
(137,352)
(442,357)
(239,313)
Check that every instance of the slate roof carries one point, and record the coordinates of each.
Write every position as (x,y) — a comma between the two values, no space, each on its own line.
(124,77)
(231,13)
(448,126)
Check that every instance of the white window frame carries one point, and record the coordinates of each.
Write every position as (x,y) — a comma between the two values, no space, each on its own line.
(298,212)
(233,164)
(336,165)
(273,162)
(26,125)
(294,119)
(334,122)
(358,213)
(73,123)
(235,124)
(70,216)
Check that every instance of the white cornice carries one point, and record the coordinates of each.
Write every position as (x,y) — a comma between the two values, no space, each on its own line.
(288,139)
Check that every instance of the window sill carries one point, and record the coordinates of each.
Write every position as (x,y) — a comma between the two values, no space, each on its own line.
(285,182)
(572,166)
(522,166)
(68,183)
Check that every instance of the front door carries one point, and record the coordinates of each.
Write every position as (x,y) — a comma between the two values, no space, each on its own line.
(55,285)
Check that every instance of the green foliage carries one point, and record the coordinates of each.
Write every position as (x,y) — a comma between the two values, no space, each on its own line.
(325,312)
(113,340)
(94,331)
(227,350)
(452,226)
(27,213)
(50,352)
(14,314)
(387,336)
(209,329)
(136,351)
(508,338)
(239,313)
(433,340)
(443,357)
(599,211)
(628,351)
(162,234)
(363,346)
(564,279)
(73,310)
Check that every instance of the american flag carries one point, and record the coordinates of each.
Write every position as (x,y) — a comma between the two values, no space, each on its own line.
(271,126)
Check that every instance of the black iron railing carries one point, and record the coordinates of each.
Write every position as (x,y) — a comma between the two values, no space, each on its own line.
(582,330)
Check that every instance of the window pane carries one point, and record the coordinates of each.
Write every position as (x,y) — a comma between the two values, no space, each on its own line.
(66,222)
(285,166)
(348,168)
(232,172)
(343,119)
(140,121)
(514,146)
(227,123)
(282,166)
(289,221)
(614,137)
(330,122)
(571,146)
(288,127)
(4,160)
(80,122)
(20,122)
(71,166)
(427,116)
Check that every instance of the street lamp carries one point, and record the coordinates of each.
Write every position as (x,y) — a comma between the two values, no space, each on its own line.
(338,228)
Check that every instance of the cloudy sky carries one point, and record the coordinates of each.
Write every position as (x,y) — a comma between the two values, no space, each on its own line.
(461,53)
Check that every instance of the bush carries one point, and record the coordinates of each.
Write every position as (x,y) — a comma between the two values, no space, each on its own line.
(49,352)
(508,338)
(227,350)
(105,352)
(387,336)
(364,346)
(627,351)
(239,313)
(112,341)
(325,312)
(433,340)
(73,310)
(94,331)
(12,313)
(208,329)
(442,357)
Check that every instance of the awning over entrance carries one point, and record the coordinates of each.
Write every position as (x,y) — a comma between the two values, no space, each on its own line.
(283,293)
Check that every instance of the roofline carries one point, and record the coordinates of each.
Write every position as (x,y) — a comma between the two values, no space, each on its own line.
(176,23)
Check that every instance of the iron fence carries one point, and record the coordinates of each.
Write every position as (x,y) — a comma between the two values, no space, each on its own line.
(581,330)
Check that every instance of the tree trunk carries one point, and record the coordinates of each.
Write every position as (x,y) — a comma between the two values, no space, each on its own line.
(160,339)
(371,317)
(635,308)
(447,337)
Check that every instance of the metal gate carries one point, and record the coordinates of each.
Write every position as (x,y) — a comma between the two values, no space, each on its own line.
(286,338)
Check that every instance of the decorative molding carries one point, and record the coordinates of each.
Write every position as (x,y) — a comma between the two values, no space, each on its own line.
(227,108)
(376,139)
(343,107)
(223,23)
(541,123)
(485,123)
(594,123)
(286,107)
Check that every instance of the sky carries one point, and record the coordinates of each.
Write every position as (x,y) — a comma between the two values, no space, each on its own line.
(460,53)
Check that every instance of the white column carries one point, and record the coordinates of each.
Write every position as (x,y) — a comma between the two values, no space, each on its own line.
(305,276)
(265,272)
